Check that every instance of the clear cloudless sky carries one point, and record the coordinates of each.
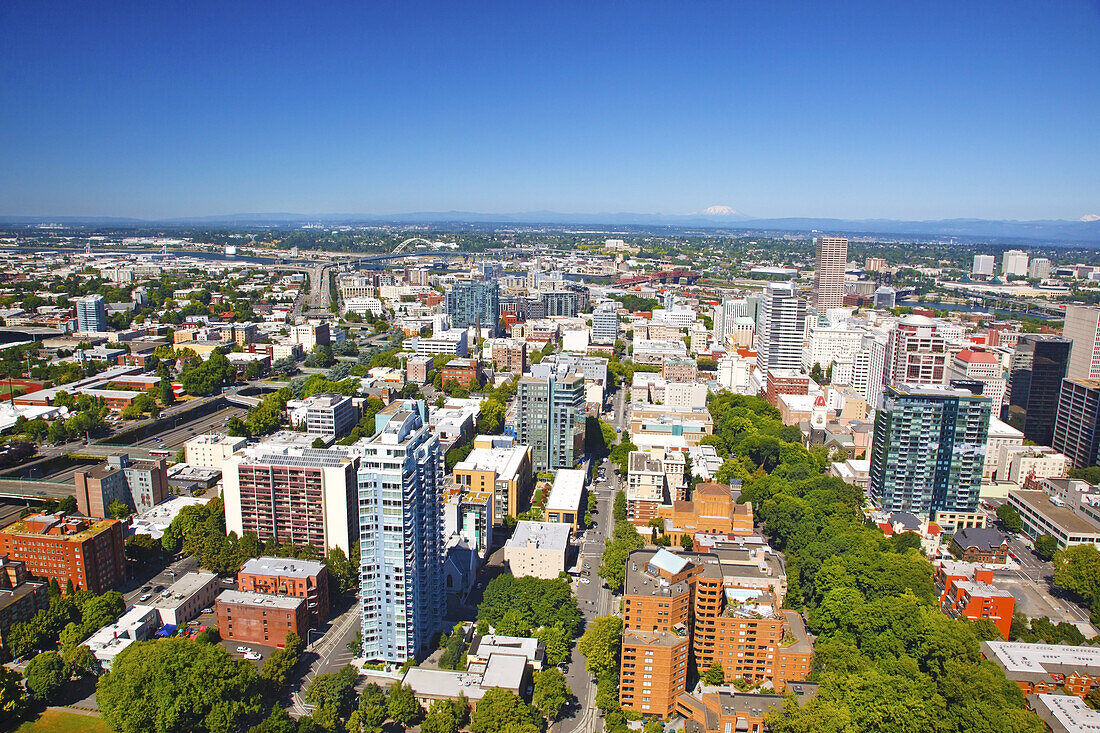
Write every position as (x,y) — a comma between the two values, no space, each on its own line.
(916,110)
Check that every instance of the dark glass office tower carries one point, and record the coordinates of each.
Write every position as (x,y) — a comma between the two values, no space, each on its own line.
(1035,383)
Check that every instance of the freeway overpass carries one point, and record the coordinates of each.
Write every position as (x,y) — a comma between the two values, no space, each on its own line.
(18,488)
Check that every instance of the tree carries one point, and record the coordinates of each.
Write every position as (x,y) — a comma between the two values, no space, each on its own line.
(1010,518)
(618,510)
(501,710)
(79,661)
(443,717)
(45,676)
(556,642)
(531,603)
(373,709)
(13,698)
(176,684)
(276,668)
(318,443)
(165,392)
(551,693)
(1046,546)
(117,510)
(333,693)
(1077,569)
(600,645)
(402,705)
(624,540)
(687,541)
(67,505)
(715,674)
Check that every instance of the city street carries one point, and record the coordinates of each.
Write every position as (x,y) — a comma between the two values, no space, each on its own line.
(594,598)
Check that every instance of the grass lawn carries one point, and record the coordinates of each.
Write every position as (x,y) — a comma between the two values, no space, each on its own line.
(55,721)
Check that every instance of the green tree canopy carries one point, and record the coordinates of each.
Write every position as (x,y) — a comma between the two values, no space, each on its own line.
(176,684)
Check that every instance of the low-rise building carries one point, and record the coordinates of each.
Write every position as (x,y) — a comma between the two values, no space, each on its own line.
(139,623)
(980,544)
(137,484)
(537,549)
(1065,713)
(186,598)
(283,576)
(327,415)
(485,646)
(20,597)
(722,710)
(260,618)
(967,590)
(1045,668)
(1042,513)
(713,509)
(564,503)
(503,671)
(463,372)
(417,367)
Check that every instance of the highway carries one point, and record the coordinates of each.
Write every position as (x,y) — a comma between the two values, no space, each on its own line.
(181,431)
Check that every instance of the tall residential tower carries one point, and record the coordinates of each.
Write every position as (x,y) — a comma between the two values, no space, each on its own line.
(832,258)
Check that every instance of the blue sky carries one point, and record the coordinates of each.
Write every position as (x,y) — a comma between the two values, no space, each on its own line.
(894,110)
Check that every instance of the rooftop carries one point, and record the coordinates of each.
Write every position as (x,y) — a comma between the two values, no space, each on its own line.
(566,492)
(184,588)
(1035,661)
(282,566)
(248,598)
(1065,518)
(542,535)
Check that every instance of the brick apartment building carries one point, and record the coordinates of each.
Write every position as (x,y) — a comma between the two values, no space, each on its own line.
(464,372)
(785,381)
(1041,669)
(286,577)
(721,711)
(510,355)
(88,552)
(259,618)
(20,597)
(980,544)
(679,369)
(967,590)
(139,484)
(715,603)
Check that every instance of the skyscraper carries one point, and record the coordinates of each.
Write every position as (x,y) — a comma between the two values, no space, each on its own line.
(400,488)
(605,323)
(1035,384)
(928,449)
(291,494)
(781,329)
(91,314)
(473,304)
(1083,329)
(550,415)
(1014,262)
(1077,427)
(916,352)
(832,258)
(984,265)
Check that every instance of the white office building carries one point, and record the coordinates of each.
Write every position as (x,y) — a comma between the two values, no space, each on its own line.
(1014,262)
(984,265)
(782,328)
(605,323)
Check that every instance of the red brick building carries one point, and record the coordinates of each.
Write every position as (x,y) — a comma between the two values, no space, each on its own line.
(785,381)
(967,590)
(465,372)
(89,552)
(286,577)
(259,618)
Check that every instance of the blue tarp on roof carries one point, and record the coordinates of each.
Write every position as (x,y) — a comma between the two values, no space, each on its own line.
(167,630)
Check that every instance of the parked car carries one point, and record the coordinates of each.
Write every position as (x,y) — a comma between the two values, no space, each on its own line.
(145,597)
(585,580)
(253,656)
(243,649)
(208,610)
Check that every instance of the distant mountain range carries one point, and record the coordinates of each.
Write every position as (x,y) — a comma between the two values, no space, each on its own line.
(1058,231)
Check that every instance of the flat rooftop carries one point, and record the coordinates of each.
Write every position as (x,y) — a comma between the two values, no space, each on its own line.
(184,588)
(282,566)
(1039,502)
(543,535)
(1019,658)
(566,493)
(260,600)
